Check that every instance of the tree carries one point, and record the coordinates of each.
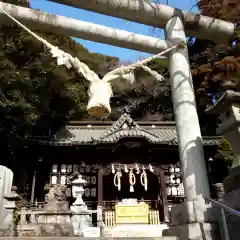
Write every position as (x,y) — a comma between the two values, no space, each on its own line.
(214,65)
(146,99)
(36,95)
(223,9)
(225,150)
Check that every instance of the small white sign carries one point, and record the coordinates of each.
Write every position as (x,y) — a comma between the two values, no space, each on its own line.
(91,232)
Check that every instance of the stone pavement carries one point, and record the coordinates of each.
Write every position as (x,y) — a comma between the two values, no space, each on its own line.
(138,230)
(84,238)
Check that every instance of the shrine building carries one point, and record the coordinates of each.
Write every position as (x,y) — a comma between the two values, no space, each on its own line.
(119,160)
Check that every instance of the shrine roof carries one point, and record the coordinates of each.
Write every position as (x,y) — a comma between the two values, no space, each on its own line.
(223,102)
(80,133)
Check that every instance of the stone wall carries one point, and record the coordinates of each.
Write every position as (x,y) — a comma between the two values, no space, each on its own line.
(6,178)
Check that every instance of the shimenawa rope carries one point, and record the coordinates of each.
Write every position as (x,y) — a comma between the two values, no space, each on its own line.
(100,90)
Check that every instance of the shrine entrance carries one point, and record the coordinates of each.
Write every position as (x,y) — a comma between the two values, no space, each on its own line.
(111,192)
(131,179)
(146,187)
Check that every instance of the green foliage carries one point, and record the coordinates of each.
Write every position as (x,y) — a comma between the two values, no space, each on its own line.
(225,150)
(37,95)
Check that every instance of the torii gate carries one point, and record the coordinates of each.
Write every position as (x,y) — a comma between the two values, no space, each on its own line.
(173,21)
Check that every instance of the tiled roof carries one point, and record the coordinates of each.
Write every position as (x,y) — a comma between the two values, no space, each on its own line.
(124,127)
(223,102)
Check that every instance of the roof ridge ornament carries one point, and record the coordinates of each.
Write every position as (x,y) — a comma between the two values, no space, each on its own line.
(125,118)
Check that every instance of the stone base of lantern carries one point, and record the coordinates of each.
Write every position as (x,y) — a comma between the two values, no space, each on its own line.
(194,231)
(56,206)
(232,199)
(232,182)
(193,220)
(55,220)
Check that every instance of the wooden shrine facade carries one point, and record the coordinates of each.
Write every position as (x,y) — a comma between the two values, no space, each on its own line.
(98,149)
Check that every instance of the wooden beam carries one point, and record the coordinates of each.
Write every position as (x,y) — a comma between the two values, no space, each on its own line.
(75,28)
(157,15)
(163,192)
(100,186)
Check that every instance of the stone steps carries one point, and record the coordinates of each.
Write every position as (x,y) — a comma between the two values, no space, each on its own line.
(76,238)
(138,230)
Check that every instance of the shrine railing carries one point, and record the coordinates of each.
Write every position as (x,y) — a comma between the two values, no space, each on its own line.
(223,222)
(107,205)
(110,205)
(109,218)
(28,216)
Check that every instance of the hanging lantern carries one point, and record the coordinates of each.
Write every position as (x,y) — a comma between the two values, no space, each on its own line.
(88,168)
(169,191)
(113,169)
(174,191)
(87,192)
(69,168)
(81,169)
(88,179)
(137,169)
(172,178)
(177,169)
(75,168)
(93,192)
(167,179)
(151,168)
(171,170)
(93,180)
(63,168)
(178,180)
(63,180)
(54,180)
(181,189)
(54,168)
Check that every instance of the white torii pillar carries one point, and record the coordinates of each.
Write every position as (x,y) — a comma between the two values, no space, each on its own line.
(185,110)
(191,219)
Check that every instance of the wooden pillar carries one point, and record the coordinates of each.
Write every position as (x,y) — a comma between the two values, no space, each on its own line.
(163,193)
(33,185)
(100,186)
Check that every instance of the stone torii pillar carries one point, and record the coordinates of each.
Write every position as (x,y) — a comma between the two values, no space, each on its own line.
(185,111)
(193,218)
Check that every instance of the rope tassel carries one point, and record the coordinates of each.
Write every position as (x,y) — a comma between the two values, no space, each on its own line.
(132,180)
(144,180)
(117,180)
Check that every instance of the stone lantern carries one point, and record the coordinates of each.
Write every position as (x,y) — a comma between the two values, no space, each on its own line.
(78,191)
(228,106)
(10,206)
(81,217)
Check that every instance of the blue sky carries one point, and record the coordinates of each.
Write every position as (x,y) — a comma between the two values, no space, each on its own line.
(123,54)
